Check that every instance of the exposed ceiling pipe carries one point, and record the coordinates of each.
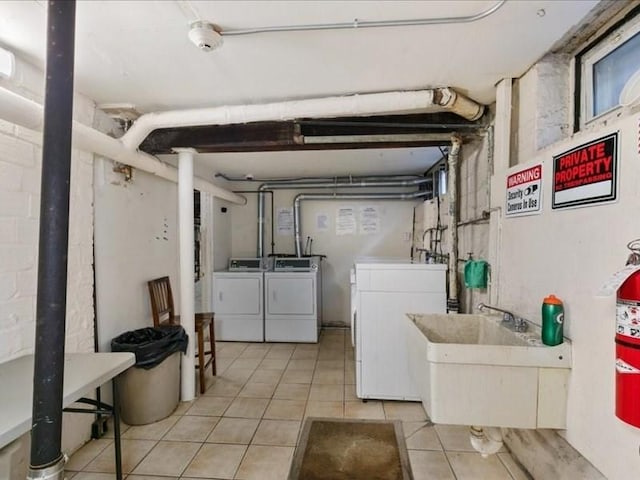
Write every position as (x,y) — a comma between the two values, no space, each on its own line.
(367,23)
(452,191)
(249,178)
(321,183)
(386,103)
(26,113)
(379,138)
(340,196)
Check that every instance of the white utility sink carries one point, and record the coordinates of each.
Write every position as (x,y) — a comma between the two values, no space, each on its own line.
(472,370)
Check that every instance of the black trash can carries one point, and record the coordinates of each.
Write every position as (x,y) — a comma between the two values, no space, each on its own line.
(150,391)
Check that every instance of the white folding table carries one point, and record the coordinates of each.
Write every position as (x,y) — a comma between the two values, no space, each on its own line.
(83,373)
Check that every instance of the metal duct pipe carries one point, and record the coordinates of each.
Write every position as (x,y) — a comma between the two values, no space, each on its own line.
(385,103)
(47,460)
(340,196)
(452,160)
(322,183)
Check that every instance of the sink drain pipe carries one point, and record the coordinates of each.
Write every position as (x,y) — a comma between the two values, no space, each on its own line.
(47,460)
(485,440)
(452,188)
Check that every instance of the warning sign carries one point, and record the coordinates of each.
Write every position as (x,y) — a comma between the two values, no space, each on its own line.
(524,189)
(586,174)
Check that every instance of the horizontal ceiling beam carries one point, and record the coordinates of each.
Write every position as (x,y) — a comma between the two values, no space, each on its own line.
(390,131)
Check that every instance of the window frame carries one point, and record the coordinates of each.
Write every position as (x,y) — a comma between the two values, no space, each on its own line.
(604,44)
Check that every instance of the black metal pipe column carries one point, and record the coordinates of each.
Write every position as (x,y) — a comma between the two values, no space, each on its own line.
(54,234)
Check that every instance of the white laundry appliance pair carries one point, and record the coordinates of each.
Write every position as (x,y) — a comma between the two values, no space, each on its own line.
(275,301)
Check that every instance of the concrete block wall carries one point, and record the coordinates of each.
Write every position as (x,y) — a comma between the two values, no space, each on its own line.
(543,104)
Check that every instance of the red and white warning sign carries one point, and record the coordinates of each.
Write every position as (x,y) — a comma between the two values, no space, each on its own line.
(524,192)
(586,174)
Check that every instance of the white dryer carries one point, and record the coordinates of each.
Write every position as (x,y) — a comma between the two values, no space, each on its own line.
(292,300)
(238,301)
(386,289)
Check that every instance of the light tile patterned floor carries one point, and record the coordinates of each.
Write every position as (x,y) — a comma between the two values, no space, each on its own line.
(246,425)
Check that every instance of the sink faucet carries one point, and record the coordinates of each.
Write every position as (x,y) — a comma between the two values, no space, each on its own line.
(509,319)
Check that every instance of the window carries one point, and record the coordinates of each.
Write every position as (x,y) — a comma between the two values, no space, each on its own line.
(607,67)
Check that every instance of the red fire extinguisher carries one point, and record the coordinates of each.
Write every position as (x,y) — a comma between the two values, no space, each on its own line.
(628,343)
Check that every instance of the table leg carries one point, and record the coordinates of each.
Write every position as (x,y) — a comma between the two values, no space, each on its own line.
(116,429)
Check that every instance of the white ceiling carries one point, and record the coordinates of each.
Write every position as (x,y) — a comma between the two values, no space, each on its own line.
(138,52)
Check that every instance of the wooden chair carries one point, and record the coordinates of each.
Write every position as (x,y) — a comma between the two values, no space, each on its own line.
(163,314)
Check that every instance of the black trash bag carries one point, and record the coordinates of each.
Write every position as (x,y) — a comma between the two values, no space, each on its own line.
(152,345)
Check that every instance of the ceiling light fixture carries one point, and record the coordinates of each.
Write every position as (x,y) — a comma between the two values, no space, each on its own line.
(205,36)
(7,63)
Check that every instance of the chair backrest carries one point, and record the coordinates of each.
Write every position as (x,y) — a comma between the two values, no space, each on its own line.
(161,301)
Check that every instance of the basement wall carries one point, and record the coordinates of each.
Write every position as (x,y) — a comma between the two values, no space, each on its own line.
(392,240)
(20,167)
(473,224)
(135,241)
(570,253)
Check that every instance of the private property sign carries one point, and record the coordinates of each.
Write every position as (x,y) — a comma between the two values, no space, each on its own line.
(586,174)
(524,189)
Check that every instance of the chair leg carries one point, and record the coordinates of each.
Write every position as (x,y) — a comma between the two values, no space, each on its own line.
(200,335)
(212,341)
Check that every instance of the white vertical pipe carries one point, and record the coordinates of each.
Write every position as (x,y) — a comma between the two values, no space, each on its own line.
(187,292)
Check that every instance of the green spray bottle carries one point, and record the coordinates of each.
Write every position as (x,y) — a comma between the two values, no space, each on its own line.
(552,321)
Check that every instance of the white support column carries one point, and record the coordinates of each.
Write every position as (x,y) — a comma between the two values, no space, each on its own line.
(501,162)
(186,242)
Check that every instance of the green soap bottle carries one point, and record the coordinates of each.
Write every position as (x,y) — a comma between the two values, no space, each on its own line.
(552,320)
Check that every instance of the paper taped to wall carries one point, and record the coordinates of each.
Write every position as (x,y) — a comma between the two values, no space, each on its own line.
(345,221)
(369,220)
(285,221)
(322,222)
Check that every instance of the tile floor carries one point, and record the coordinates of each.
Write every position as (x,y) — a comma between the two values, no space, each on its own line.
(246,425)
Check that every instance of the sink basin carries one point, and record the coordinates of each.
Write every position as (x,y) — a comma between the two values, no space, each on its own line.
(483,340)
(473,370)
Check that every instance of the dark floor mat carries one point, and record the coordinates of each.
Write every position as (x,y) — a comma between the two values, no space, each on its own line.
(335,449)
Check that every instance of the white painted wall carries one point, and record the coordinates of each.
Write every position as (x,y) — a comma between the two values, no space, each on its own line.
(571,253)
(135,241)
(20,176)
(20,165)
(393,240)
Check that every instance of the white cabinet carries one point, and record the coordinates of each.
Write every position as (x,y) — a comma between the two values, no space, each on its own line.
(385,292)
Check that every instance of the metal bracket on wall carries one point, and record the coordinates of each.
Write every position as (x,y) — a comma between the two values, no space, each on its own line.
(126,170)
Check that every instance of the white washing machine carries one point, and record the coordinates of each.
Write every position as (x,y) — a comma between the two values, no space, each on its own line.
(292,300)
(238,301)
